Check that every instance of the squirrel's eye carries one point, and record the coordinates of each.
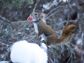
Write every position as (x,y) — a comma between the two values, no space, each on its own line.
(35,14)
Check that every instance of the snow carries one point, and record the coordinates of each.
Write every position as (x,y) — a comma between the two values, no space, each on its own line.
(64,0)
(54,3)
(4,61)
(79,41)
(24,52)
(45,6)
(77,49)
(43,37)
(43,46)
(49,5)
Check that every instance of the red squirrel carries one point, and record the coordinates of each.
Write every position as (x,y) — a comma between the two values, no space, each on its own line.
(48,34)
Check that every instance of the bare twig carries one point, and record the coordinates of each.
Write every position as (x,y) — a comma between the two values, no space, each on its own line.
(36,5)
(54,10)
(25,21)
(50,3)
(5,19)
(51,60)
(29,36)
(33,37)
(23,10)
(53,13)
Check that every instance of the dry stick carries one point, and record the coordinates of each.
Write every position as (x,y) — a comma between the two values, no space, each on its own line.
(69,10)
(53,10)
(57,8)
(50,3)
(82,54)
(23,10)
(36,5)
(17,22)
(51,60)
(5,19)
(28,36)
(75,46)
(53,14)
(33,37)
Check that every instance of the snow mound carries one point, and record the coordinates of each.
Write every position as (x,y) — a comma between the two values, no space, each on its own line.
(24,52)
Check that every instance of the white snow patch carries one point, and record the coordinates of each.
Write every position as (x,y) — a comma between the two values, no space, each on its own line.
(79,41)
(54,3)
(24,52)
(43,46)
(45,6)
(49,5)
(43,37)
(65,0)
(77,49)
(4,61)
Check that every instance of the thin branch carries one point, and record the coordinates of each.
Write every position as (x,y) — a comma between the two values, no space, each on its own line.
(5,19)
(36,5)
(54,10)
(53,14)
(51,60)
(23,10)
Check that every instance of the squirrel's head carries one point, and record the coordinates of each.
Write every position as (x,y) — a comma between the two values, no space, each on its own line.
(34,16)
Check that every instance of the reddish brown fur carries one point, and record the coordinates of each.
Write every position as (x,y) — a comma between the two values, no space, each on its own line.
(51,35)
